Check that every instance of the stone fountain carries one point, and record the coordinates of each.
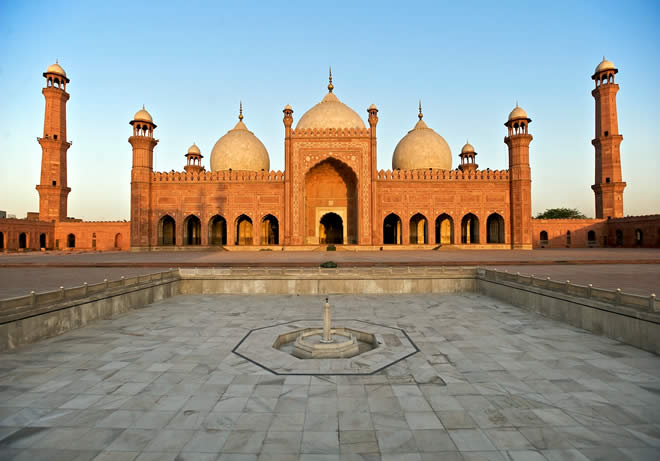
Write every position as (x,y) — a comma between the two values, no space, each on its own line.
(326,342)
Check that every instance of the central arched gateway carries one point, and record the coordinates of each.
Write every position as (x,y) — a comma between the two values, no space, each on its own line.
(330,189)
(331,229)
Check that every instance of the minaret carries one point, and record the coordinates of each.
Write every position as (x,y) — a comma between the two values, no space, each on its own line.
(608,186)
(194,160)
(143,143)
(468,159)
(288,169)
(520,177)
(52,188)
(373,158)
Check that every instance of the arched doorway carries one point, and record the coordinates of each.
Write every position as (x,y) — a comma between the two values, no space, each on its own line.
(469,229)
(118,241)
(71,241)
(444,230)
(418,230)
(330,187)
(167,231)
(568,238)
(42,240)
(192,230)
(392,230)
(243,230)
(619,237)
(331,229)
(217,230)
(495,229)
(591,237)
(22,240)
(270,230)
(639,237)
(543,237)
(2,240)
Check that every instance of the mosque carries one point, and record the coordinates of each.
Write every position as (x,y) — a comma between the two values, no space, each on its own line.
(331,192)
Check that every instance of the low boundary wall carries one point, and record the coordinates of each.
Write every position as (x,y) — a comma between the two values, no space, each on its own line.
(628,318)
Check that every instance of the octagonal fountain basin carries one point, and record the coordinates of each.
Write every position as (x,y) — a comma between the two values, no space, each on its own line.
(309,343)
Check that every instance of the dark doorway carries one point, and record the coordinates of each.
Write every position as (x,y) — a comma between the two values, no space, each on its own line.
(22,240)
(217,230)
(71,241)
(193,230)
(42,241)
(270,230)
(444,230)
(469,229)
(495,229)
(243,230)
(392,230)
(166,231)
(331,229)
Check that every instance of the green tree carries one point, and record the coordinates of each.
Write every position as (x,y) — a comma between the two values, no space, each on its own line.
(561,213)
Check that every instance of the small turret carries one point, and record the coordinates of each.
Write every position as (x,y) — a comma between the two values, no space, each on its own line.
(194,160)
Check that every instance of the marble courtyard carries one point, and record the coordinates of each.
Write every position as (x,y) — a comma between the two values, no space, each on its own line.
(489,382)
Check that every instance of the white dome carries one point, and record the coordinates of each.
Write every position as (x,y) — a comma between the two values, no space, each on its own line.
(143,116)
(330,113)
(604,65)
(239,149)
(517,113)
(194,149)
(56,69)
(422,148)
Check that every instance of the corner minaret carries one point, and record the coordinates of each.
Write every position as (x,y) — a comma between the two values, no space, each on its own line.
(520,176)
(143,143)
(52,188)
(608,185)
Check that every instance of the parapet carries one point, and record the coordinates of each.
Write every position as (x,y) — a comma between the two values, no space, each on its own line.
(443,175)
(218,176)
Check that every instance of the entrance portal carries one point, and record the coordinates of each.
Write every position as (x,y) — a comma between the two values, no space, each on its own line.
(331,229)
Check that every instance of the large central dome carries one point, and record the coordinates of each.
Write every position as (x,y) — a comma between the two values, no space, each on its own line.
(239,149)
(330,113)
(422,148)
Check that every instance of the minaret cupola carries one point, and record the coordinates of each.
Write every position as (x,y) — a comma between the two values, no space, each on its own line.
(194,160)
(468,158)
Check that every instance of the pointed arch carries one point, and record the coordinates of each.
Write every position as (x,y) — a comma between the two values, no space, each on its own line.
(495,228)
(392,230)
(419,228)
(192,230)
(42,240)
(71,241)
(444,230)
(470,229)
(22,240)
(217,230)
(270,230)
(243,225)
(331,229)
(167,231)
(118,241)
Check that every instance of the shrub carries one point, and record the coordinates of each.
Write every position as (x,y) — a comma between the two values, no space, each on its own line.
(329,265)
(331,247)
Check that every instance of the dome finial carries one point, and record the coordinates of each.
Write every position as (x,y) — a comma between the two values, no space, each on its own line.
(330,85)
(420,115)
(240,111)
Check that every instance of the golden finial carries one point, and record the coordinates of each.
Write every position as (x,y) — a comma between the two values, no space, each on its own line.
(240,111)
(143,107)
(57,61)
(330,85)
(420,115)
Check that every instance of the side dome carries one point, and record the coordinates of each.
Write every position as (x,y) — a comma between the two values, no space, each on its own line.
(194,149)
(604,65)
(517,112)
(330,113)
(143,116)
(56,69)
(239,149)
(467,149)
(422,148)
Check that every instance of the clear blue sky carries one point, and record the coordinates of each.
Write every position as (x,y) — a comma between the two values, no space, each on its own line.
(191,62)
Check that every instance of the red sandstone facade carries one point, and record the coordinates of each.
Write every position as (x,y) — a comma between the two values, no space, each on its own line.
(330,193)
